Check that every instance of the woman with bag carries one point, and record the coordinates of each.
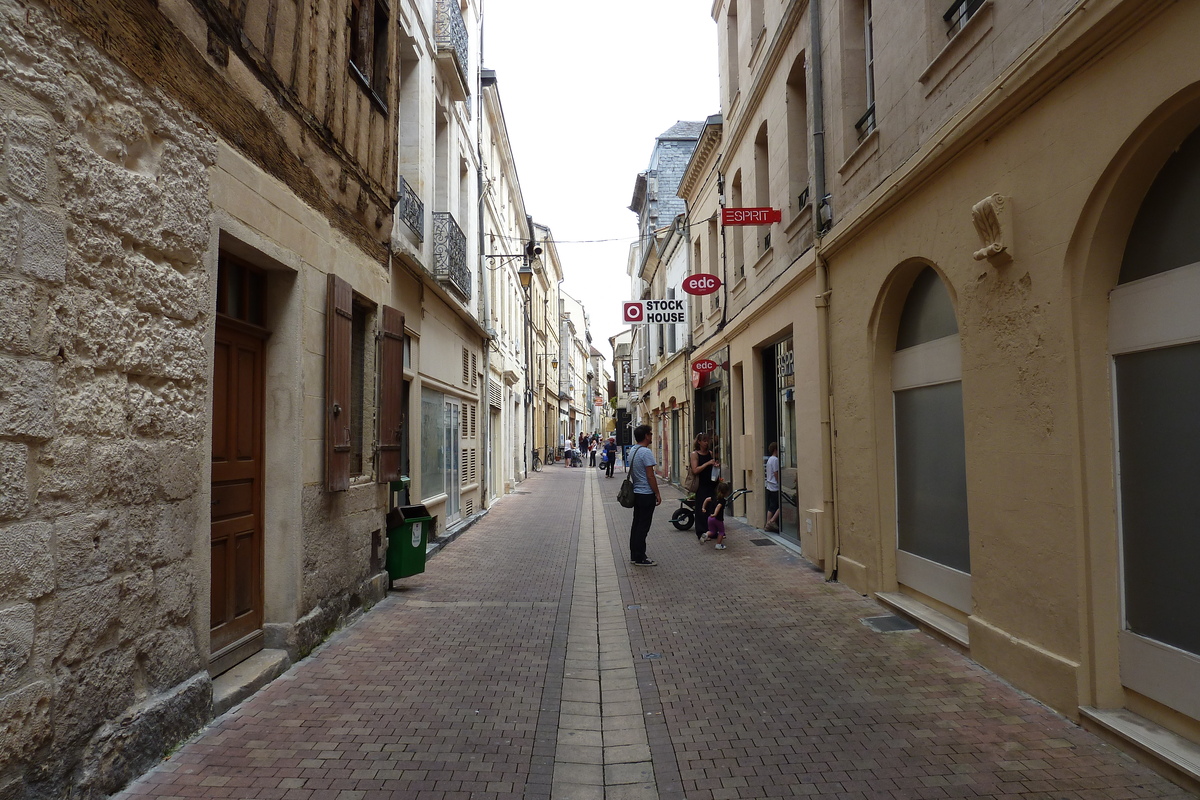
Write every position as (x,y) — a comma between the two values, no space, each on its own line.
(702,464)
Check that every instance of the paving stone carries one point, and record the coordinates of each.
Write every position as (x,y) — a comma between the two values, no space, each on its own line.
(461,683)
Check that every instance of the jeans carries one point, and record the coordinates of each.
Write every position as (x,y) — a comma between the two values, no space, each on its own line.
(643,514)
(612,462)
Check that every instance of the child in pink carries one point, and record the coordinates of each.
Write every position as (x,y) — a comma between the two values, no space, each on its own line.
(715,508)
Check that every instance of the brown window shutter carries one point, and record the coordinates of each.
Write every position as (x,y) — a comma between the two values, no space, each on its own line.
(339,325)
(391,394)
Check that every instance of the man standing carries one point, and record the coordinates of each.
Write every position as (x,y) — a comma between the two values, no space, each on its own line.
(610,449)
(772,487)
(645,494)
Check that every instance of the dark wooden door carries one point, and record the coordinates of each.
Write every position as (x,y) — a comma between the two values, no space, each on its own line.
(237,539)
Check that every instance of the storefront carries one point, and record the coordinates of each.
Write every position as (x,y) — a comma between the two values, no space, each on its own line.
(779,426)
(712,406)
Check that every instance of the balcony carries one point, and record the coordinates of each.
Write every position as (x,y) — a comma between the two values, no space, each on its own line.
(450,34)
(411,209)
(450,254)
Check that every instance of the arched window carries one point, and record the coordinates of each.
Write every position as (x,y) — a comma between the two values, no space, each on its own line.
(932,536)
(1154,340)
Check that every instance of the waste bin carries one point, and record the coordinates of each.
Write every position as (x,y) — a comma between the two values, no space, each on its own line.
(407,529)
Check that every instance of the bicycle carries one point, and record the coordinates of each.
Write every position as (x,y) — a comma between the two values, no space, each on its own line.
(685,516)
(537,461)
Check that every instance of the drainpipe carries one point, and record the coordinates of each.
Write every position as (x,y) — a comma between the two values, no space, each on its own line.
(828,519)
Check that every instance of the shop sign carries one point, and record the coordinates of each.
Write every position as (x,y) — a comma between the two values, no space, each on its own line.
(750,216)
(705,365)
(627,376)
(655,312)
(701,284)
(785,364)
(662,384)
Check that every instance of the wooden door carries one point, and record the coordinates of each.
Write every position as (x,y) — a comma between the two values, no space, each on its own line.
(237,539)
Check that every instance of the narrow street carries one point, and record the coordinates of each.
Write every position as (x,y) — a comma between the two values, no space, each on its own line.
(531,660)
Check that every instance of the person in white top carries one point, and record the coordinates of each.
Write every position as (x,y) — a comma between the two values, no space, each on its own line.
(773,487)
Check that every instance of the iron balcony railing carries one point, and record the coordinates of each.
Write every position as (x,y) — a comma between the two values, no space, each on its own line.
(959,14)
(450,33)
(450,254)
(412,210)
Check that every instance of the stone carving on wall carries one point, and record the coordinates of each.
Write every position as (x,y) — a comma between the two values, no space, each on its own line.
(993,222)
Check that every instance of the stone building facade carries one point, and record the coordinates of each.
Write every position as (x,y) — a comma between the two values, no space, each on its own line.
(972,326)
(240,293)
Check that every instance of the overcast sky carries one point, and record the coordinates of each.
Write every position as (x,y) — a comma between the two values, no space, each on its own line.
(585,88)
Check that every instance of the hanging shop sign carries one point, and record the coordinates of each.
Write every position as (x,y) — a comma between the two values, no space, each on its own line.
(701,284)
(655,312)
(705,365)
(750,216)
(627,384)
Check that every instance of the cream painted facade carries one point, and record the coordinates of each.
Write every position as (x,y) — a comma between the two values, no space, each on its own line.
(973,309)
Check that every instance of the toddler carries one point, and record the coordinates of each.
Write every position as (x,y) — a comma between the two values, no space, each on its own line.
(715,508)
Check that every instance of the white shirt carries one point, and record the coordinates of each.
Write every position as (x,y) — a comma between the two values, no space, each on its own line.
(773,474)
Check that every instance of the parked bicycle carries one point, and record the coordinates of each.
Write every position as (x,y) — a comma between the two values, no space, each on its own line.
(538,460)
(685,516)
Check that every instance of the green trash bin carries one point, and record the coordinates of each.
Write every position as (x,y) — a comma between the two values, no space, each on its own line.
(408,529)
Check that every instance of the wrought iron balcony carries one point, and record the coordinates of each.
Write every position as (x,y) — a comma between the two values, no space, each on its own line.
(450,34)
(411,209)
(450,254)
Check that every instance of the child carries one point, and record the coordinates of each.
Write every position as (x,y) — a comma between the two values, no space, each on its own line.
(715,508)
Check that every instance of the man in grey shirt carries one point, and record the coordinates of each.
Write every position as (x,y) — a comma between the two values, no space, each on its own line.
(645,494)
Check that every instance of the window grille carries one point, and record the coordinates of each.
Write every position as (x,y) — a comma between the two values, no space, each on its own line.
(959,14)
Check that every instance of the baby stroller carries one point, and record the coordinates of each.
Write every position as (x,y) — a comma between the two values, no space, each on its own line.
(576,459)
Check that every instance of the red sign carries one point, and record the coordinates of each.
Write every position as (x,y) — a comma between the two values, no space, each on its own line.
(750,216)
(701,284)
(634,311)
(705,365)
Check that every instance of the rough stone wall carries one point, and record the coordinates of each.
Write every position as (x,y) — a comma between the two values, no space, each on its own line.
(104,223)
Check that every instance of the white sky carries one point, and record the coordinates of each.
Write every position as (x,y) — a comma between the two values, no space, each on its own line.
(585,88)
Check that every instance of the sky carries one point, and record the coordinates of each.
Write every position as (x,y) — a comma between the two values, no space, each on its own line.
(585,89)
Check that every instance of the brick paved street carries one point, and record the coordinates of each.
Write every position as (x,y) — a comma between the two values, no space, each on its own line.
(516,667)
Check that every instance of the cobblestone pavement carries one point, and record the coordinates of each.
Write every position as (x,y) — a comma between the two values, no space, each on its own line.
(531,660)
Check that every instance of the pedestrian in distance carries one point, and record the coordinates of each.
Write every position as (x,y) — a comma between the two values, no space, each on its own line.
(772,487)
(714,507)
(592,451)
(645,494)
(703,464)
(610,450)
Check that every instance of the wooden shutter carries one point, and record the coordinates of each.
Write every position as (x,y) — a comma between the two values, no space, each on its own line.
(391,394)
(339,327)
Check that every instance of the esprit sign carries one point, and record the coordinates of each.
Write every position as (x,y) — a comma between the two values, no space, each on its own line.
(655,312)
(705,365)
(750,216)
(701,284)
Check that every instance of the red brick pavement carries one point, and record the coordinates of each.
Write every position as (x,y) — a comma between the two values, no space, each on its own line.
(767,686)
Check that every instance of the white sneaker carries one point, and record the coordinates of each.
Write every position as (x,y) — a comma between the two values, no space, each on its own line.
(720,547)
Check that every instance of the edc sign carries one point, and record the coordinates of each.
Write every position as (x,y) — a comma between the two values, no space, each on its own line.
(701,284)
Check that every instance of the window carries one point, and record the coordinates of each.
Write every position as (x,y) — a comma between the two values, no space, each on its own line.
(858,70)
(732,61)
(797,136)
(358,369)
(713,263)
(932,534)
(959,14)
(433,444)
(735,239)
(369,48)
(762,186)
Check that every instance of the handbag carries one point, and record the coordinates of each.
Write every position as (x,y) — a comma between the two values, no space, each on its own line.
(692,480)
(625,493)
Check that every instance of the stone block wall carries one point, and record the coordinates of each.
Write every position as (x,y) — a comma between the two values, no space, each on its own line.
(104,298)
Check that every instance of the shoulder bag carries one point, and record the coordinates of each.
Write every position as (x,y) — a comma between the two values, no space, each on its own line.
(692,480)
(625,493)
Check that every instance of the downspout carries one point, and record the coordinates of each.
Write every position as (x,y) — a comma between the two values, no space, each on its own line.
(485,409)
(828,520)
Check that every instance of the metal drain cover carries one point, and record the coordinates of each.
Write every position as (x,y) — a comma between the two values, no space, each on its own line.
(651,655)
(763,542)
(888,624)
